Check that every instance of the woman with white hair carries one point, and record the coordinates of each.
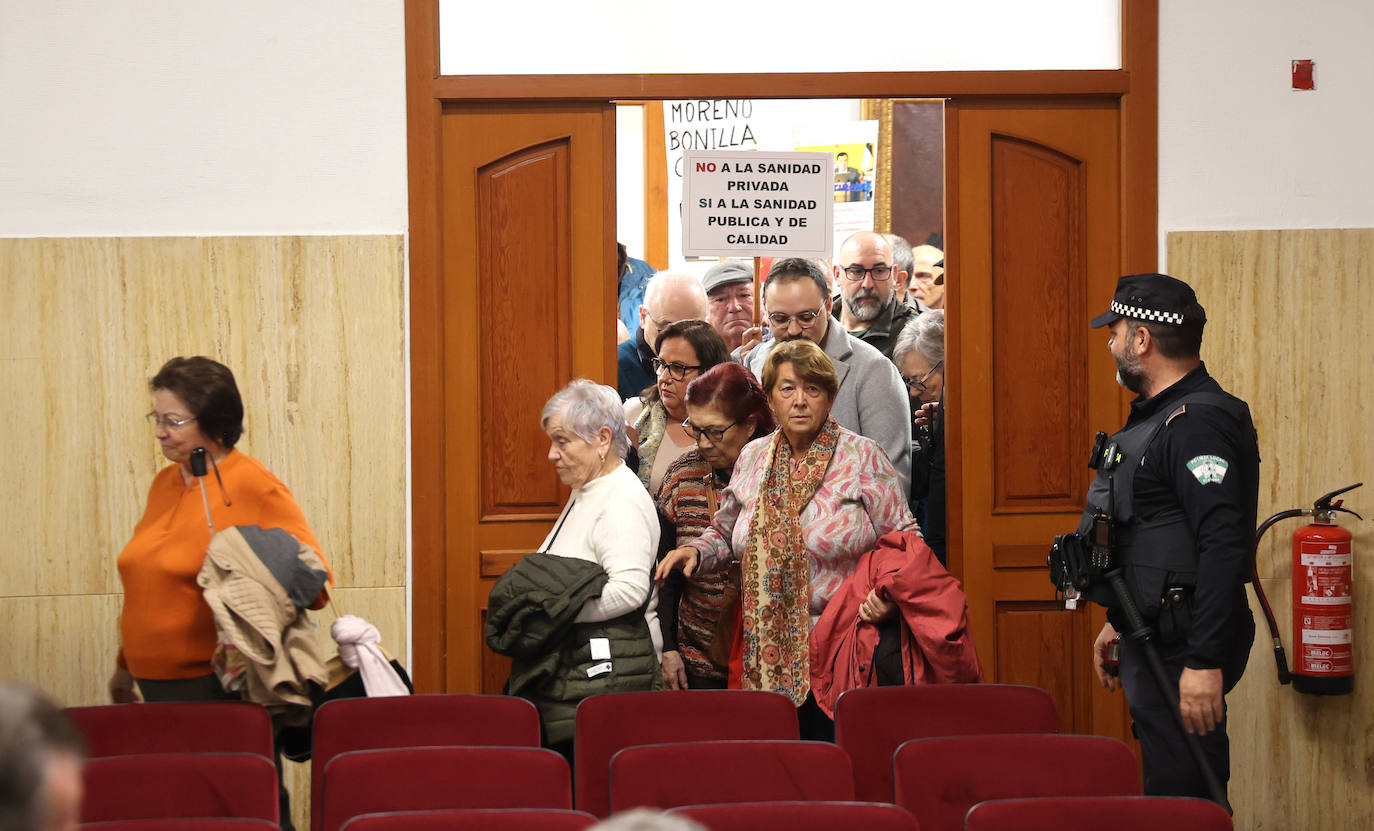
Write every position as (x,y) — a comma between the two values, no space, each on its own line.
(577,618)
(609,518)
(920,357)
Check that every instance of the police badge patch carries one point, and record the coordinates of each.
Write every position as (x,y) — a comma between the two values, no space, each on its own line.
(1208,469)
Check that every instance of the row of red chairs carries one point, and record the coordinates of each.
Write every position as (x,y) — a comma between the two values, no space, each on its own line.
(1129,813)
(870,725)
(937,780)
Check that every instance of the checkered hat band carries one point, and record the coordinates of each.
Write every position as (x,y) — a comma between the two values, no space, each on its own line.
(1147,314)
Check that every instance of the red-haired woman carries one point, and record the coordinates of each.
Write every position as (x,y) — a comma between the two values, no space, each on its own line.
(726,409)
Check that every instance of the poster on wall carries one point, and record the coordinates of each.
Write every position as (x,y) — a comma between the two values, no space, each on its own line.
(757,204)
(701,125)
(733,125)
(853,149)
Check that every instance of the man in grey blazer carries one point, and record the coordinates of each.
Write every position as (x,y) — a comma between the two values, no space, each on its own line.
(872,400)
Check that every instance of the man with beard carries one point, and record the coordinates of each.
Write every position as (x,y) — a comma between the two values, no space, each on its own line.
(868,307)
(872,399)
(1181,491)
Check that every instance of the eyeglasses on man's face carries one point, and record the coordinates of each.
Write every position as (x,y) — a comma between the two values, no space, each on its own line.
(715,434)
(919,386)
(804,319)
(856,273)
(677,371)
(167,422)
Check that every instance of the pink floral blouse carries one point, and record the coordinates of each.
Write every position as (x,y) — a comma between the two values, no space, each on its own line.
(859,500)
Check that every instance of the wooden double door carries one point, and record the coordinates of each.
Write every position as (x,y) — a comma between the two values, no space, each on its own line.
(528,300)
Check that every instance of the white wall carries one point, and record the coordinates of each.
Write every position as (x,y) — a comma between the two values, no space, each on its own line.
(1238,149)
(642,36)
(194,117)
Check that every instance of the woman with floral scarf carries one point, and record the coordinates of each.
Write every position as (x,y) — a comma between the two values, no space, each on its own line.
(803,505)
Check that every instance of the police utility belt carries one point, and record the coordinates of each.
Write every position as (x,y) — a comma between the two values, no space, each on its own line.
(1158,557)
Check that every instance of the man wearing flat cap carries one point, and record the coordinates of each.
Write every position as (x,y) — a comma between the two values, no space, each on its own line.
(1181,493)
(730,299)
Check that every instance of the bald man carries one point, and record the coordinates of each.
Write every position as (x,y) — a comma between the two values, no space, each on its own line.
(670,296)
(927,278)
(868,309)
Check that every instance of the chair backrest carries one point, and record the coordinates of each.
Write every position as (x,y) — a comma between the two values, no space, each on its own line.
(475,819)
(871,722)
(701,773)
(938,780)
(416,721)
(174,727)
(170,785)
(1119,813)
(801,816)
(182,824)
(427,778)
(609,723)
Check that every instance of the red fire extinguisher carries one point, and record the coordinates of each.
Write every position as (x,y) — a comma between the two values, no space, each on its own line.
(1323,640)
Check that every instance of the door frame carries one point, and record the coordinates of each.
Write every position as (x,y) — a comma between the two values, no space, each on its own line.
(427,92)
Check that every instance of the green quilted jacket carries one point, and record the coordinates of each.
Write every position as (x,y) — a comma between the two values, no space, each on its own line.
(530,618)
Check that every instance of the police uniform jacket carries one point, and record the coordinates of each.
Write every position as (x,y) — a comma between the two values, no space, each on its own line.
(1204,461)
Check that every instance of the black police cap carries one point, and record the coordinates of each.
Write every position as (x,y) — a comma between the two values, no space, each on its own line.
(1156,298)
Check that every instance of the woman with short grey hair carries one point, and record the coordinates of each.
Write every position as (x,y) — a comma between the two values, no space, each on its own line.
(577,617)
(584,407)
(920,356)
(609,518)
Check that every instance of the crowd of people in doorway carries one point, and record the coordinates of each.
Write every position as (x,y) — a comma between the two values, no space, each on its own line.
(754,490)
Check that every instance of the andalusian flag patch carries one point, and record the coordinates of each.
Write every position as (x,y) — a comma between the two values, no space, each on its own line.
(1208,469)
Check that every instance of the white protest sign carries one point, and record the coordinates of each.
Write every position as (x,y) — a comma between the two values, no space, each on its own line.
(757,204)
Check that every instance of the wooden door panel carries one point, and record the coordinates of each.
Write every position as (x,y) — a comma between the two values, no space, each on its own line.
(521,198)
(1033,254)
(528,304)
(1038,242)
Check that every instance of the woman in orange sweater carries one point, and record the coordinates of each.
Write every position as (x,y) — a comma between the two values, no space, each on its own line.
(166,629)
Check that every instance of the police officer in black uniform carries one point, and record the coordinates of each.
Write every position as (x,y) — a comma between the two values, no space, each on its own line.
(1181,492)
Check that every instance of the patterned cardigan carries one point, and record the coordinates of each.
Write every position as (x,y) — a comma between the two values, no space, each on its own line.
(859,500)
(685,502)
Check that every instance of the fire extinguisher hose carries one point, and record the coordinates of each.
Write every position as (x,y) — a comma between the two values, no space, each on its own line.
(1280,656)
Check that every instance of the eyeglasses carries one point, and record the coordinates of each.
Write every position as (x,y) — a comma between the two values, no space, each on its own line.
(804,319)
(856,273)
(919,387)
(167,422)
(675,370)
(715,434)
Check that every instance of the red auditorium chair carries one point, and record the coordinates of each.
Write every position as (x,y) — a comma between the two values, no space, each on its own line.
(1119,813)
(938,780)
(181,825)
(428,778)
(609,723)
(701,773)
(474,819)
(416,721)
(174,727)
(801,816)
(871,722)
(180,785)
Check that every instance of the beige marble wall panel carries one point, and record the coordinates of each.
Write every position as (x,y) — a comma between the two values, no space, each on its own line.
(62,644)
(312,327)
(1289,332)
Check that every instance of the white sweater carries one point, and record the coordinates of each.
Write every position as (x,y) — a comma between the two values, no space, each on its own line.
(611,521)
